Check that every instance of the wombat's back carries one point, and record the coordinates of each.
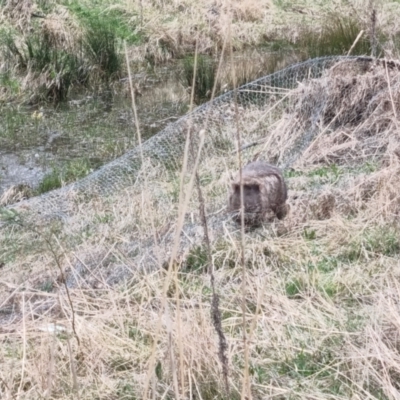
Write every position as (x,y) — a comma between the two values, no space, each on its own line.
(260,169)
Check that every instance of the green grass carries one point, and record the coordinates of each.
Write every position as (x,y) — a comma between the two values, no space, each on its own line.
(104,219)
(336,37)
(309,234)
(96,56)
(196,260)
(16,127)
(9,82)
(294,287)
(99,17)
(205,76)
(126,391)
(11,245)
(372,243)
(50,181)
(39,54)
(305,364)
(47,286)
(324,264)
(70,172)
(331,173)
(105,30)
(326,171)
(300,287)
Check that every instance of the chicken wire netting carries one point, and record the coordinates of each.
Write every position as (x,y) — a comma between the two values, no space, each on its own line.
(244,110)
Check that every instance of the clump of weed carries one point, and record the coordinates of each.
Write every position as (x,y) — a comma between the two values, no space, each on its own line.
(101,42)
(39,55)
(196,260)
(373,242)
(58,55)
(9,83)
(49,182)
(350,96)
(337,36)
(205,76)
(72,171)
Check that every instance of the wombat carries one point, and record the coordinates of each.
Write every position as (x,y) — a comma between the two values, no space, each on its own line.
(264,193)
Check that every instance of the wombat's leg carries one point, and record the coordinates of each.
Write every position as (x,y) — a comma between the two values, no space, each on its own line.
(281,211)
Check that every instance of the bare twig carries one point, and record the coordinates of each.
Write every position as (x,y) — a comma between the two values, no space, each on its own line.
(246,392)
(372,31)
(64,281)
(355,42)
(215,310)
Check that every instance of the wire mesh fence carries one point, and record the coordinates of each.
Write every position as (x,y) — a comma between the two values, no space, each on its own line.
(220,118)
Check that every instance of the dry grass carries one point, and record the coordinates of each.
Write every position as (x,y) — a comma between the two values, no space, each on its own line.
(168,30)
(173,27)
(322,291)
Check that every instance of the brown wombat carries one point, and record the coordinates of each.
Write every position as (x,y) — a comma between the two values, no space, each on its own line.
(264,193)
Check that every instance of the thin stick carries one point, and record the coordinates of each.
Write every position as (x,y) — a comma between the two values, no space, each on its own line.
(175,275)
(51,373)
(150,372)
(141,13)
(355,42)
(75,385)
(246,392)
(390,91)
(64,280)
(372,32)
(167,280)
(23,346)
(139,135)
(215,310)
(136,121)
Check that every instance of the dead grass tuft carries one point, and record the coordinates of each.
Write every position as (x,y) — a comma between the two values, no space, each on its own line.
(15,193)
(356,110)
(61,30)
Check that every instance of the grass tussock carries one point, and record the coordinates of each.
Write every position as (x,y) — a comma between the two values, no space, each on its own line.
(79,308)
(355,106)
(205,77)
(62,47)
